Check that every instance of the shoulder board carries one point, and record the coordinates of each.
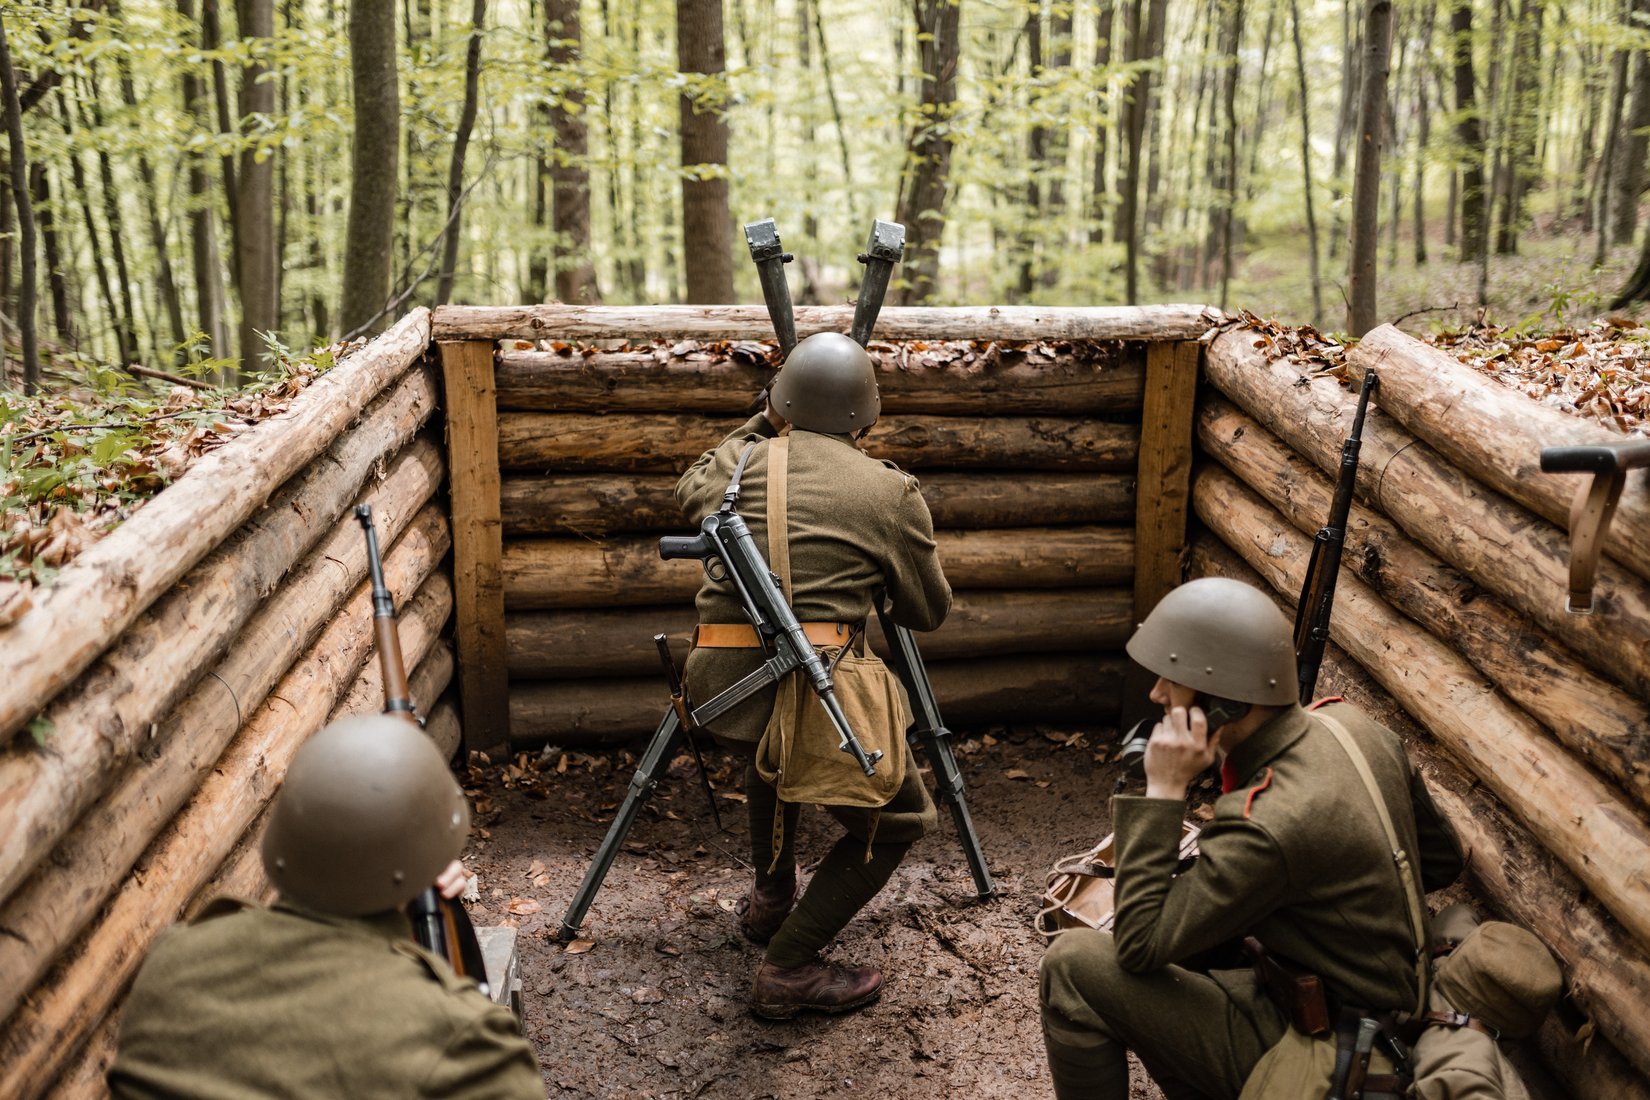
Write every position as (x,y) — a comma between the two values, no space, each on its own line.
(1262,782)
(219,907)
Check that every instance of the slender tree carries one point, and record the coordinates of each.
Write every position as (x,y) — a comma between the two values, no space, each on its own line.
(45,211)
(1232,35)
(212,40)
(927,171)
(1629,168)
(29,287)
(260,306)
(461,145)
(1101,200)
(1366,184)
(575,277)
(1469,134)
(707,225)
(369,240)
(1306,163)
(206,265)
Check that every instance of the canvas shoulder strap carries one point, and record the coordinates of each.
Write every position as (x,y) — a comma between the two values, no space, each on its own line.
(1406,873)
(779,531)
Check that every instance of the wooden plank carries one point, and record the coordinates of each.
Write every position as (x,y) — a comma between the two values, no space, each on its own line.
(1156,322)
(478,540)
(1164,478)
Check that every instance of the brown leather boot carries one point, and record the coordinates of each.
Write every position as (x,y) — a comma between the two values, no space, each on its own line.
(765,909)
(812,987)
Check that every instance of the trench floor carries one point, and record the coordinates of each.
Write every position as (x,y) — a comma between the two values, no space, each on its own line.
(651,1000)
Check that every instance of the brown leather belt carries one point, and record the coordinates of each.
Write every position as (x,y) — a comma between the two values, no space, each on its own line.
(743,635)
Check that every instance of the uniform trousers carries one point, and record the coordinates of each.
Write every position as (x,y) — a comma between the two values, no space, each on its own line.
(852,872)
(1199,1035)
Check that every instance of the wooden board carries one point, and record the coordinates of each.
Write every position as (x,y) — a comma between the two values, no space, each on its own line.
(478,540)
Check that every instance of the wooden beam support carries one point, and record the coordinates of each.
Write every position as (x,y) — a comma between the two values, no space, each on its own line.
(478,540)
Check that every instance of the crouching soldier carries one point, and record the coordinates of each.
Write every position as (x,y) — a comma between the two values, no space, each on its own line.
(325,994)
(854,527)
(1297,857)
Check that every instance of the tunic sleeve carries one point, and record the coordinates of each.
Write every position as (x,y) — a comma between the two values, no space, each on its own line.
(918,595)
(487,1060)
(700,489)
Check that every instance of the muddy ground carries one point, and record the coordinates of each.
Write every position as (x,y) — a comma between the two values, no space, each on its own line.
(651,1002)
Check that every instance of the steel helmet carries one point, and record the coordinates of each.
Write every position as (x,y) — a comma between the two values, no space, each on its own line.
(367,817)
(1220,637)
(827,385)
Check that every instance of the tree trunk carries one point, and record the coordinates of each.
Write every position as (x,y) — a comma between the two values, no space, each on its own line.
(1629,167)
(1036,160)
(575,269)
(259,279)
(369,241)
(29,287)
(1469,135)
(1366,187)
(1232,36)
(453,232)
(1522,123)
(212,39)
(1603,186)
(664,442)
(207,268)
(1346,118)
(1423,133)
(94,244)
(927,170)
(57,284)
(1101,199)
(1306,164)
(707,226)
(126,318)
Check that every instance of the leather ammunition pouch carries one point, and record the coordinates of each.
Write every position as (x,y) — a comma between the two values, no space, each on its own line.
(1299,994)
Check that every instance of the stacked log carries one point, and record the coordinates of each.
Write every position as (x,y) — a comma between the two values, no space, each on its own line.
(1025,456)
(178,665)
(1531,724)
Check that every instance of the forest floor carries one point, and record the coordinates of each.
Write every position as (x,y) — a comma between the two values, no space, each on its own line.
(652,1001)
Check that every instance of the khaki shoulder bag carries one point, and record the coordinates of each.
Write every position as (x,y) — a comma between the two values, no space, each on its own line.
(798,751)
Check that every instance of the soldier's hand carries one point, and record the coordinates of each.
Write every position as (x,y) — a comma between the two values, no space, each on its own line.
(452,881)
(1180,748)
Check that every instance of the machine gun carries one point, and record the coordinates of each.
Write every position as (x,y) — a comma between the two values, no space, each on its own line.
(439,924)
(1324,567)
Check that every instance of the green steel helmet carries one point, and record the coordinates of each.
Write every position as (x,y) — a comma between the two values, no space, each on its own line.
(1220,637)
(367,817)
(827,385)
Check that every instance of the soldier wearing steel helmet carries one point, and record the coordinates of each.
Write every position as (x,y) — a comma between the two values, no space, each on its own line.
(1296,856)
(325,994)
(857,526)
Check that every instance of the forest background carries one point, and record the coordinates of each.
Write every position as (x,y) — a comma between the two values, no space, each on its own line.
(190,181)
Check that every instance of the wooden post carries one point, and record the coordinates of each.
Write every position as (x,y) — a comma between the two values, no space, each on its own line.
(478,540)
(1163,481)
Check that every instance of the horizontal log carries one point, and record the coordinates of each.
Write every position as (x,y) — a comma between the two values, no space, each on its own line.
(1575,815)
(561,322)
(37,1038)
(102,591)
(107,715)
(51,907)
(1599,722)
(960,378)
(1608,975)
(627,572)
(1039,688)
(612,504)
(1496,434)
(671,442)
(84,1080)
(1503,547)
(568,644)
(443,726)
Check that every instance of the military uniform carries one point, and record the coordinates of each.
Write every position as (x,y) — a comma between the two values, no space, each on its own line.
(248,1002)
(1295,856)
(857,526)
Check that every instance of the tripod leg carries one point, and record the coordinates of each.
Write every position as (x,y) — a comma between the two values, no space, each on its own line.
(653,764)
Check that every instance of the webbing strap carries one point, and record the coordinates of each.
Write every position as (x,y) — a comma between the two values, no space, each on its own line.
(779,531)
(1406,874)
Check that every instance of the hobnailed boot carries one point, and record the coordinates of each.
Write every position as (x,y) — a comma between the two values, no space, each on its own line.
(778,994)
(765,909)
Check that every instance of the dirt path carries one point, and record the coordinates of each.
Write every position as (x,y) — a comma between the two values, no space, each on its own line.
(655,1004)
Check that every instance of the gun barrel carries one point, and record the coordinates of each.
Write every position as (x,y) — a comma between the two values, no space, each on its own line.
(884,249)
(770,257)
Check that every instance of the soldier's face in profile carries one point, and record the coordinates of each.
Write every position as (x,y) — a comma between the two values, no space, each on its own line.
(1167,694)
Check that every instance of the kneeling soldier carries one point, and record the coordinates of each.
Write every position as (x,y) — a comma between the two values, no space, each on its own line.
(325,994)
(1297,857)
(856,526)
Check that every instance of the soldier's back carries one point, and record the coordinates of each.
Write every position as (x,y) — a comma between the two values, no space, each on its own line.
(283,1002)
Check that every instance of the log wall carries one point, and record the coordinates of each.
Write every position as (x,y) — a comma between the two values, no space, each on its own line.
(1530,723)
(179,664)
(1028,454)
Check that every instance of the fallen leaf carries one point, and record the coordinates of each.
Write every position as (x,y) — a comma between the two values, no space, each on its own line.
(1016,773)
(536,868)
(579,947)
(524,907)
(648,995)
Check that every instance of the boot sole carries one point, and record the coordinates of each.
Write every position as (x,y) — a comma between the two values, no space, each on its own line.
(788,1012)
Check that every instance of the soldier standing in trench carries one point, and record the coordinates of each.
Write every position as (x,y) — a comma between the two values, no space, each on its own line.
(857,526)
(1296,856)
(325,994)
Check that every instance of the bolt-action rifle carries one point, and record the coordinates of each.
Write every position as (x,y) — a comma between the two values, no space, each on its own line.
(1324,567)
(439,924)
